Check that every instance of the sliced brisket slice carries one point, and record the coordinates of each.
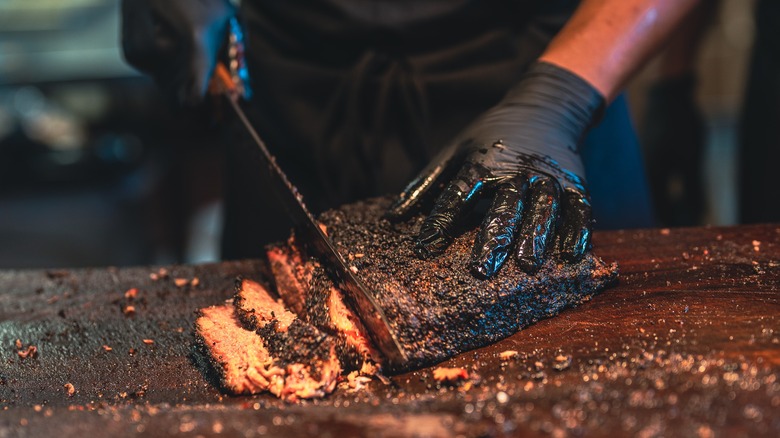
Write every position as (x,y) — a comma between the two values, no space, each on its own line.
(436,307)
(292,275)
(287,337)
(256,345)
(239,355)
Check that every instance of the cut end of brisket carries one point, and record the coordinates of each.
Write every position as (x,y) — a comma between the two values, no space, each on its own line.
(291,274)
(256,346)
(312,290)
(255,307)
(243,362)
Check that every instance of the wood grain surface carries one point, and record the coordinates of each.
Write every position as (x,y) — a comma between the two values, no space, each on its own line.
(687,344)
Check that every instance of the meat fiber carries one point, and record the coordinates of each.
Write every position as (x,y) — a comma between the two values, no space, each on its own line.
(263,347)
(304,285)
(436,308)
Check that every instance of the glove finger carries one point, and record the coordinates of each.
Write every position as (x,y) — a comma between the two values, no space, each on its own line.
(575,229)
(436,232)
(422,185)
(538,224)
(498,229)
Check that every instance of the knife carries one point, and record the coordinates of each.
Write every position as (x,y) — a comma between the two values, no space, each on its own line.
(310,233)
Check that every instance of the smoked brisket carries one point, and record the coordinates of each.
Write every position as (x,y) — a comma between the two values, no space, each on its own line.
(436,307)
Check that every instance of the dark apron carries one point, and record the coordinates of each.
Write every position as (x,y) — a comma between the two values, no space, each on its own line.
(354,97)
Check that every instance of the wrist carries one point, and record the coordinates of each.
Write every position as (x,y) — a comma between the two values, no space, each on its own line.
(569,101)
(599,77)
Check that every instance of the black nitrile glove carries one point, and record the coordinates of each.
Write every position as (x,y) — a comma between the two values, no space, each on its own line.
(525,152)
(176,42)
(674,137)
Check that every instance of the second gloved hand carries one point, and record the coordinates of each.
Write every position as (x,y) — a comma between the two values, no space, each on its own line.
(176,42)
(524,152)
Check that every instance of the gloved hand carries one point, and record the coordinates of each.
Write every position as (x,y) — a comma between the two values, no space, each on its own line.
(523,152)
(176,42)
(674,137)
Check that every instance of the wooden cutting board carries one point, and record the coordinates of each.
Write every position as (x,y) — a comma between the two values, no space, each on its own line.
(687,343)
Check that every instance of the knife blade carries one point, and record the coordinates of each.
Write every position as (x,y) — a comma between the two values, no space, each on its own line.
(309,232)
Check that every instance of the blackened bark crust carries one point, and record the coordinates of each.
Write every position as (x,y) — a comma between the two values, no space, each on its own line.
(436,308)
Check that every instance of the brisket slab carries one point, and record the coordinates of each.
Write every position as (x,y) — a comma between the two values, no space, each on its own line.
(436,307)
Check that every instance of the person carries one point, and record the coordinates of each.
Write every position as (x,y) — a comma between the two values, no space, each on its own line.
(492,99)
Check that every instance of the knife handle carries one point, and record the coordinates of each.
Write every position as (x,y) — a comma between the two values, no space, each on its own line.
(222,82)
(231,78)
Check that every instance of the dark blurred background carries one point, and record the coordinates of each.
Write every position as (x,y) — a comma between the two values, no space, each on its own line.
(96,170)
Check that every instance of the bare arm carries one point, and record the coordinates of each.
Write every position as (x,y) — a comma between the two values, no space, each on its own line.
(606,41)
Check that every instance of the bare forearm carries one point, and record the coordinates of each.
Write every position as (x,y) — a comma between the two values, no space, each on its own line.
(606,41)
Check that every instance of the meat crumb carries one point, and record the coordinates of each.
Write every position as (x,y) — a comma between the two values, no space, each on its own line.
(129,310)
(323,227)
(756,245)
(107,348)
(562,362)
(357,382)
(180,282)
(31,351)
(18,344)
(354,269)
(195,282)
(70,389)
(665,231)
(442,374)
(508,354)
(130,294)
(148,341)
(160,274)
